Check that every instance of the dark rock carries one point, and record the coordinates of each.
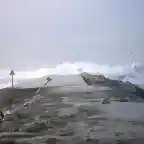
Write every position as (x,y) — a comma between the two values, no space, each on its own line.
(127,88)
(66,132)
(34,127)
(9,126)
(11,117)
(51,141)
(106,101)
(1,115)
(7,142)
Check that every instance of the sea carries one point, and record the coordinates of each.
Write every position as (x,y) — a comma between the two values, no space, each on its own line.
(130,72)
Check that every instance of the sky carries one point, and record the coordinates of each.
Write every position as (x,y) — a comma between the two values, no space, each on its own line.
(42,33)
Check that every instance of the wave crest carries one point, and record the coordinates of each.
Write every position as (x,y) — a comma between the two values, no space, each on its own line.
(131,72)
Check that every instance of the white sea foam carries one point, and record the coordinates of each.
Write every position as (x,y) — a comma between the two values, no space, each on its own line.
(131,72)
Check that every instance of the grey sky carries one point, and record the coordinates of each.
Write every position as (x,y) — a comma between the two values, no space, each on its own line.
(38,33)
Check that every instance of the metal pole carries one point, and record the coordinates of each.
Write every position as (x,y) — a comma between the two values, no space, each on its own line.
(12,75)
(12,81)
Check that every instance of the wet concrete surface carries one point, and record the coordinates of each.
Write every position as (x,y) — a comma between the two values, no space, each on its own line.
(70,115)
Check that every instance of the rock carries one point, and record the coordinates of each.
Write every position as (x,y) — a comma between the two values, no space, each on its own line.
(1,115)
(34,127)
(51,141)
(106,101)
(123,100)
(9,126)
(66,132)
(11,117)
(7,142)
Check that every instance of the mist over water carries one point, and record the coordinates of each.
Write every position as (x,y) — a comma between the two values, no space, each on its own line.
(131,72)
